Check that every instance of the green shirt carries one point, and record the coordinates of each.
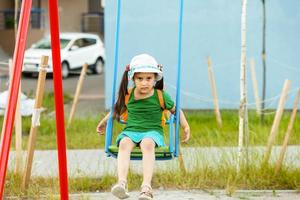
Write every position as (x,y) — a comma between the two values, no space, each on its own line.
(145,114)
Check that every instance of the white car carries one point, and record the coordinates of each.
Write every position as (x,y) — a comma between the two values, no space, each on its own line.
(76,49)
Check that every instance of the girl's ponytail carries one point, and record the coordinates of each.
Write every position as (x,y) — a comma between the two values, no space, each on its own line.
(121,96)
(159,84)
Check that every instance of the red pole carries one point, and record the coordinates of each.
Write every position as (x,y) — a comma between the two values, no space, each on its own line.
(58,94)
(9,117)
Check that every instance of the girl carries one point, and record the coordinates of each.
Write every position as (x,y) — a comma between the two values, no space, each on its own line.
(144,121)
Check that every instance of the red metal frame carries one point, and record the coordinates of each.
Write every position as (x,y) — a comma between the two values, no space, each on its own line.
(58,94)
(9,117)
(14,88)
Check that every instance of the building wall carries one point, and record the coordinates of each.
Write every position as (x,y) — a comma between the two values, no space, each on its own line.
(69,14)
(6,4)
(210,28)
(7,39)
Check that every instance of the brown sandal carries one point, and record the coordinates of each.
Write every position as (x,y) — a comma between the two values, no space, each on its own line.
(146,193)
(120,190)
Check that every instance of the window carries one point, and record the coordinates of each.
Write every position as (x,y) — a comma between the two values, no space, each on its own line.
(84,42)
(45,43)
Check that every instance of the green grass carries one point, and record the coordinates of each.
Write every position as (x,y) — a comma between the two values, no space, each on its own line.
(205,178)
(204,130)
(204,133)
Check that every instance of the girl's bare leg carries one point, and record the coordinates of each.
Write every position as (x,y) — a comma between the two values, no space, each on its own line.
(148,149)
(125,147)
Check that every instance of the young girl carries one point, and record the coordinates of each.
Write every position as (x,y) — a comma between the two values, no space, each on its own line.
(144,121)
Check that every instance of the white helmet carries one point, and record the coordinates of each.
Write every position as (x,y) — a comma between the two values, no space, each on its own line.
(144,63)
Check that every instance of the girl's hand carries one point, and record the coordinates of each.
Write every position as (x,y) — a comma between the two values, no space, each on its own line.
(187,134)
(101,127)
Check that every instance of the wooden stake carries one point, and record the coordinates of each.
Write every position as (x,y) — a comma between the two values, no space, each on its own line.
(288,133)
(32,137)
(255,87)
(181,163)
(18,126)
(18,132)
(276,121)
(214,91)
(77,93)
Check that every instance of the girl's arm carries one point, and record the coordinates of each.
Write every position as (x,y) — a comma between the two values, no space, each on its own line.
(186,128)
(183,123)
(102,124)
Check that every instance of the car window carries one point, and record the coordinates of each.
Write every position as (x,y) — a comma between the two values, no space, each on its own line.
(84,42)
(89,41)
(45,43)
(64,43)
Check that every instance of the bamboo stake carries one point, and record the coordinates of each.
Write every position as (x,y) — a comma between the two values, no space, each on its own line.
(214,91)
(16,17)
(77,93)
(181,163)
(180,158)
(263,56)
(18,117)
(255,87)
(18,126)
(243,125)
(288,133)
(35,121)
(276,121)
(18,131)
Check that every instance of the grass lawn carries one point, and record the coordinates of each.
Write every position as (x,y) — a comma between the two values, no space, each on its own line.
(204,133)
(204,130)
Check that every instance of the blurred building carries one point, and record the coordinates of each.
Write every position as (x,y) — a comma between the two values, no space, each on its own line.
(75,16)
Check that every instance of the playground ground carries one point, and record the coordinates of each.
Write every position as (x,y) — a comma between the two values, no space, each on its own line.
(161,194)
(202,195)
(94,163)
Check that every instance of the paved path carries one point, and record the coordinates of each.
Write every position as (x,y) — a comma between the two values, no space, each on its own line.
(161,194)
(94,163)
(92,98)
(201,195)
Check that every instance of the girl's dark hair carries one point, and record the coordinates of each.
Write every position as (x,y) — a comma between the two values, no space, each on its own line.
(119,105)
(159,84)
(123,91)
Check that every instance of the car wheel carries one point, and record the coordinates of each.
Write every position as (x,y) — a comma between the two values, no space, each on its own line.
(27,74)
(64,70)
(98,67)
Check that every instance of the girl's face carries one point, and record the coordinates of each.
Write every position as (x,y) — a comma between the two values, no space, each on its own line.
(144,82)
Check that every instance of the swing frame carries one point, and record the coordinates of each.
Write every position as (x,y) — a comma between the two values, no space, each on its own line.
(161,153)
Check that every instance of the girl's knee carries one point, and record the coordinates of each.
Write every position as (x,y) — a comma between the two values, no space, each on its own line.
(126,144)
(147,145)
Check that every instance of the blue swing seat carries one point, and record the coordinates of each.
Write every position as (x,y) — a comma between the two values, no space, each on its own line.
(161,153)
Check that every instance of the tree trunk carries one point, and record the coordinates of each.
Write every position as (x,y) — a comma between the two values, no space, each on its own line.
(243,93)
(263,55)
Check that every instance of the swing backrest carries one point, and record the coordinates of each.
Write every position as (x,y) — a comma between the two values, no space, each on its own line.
(124,115)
